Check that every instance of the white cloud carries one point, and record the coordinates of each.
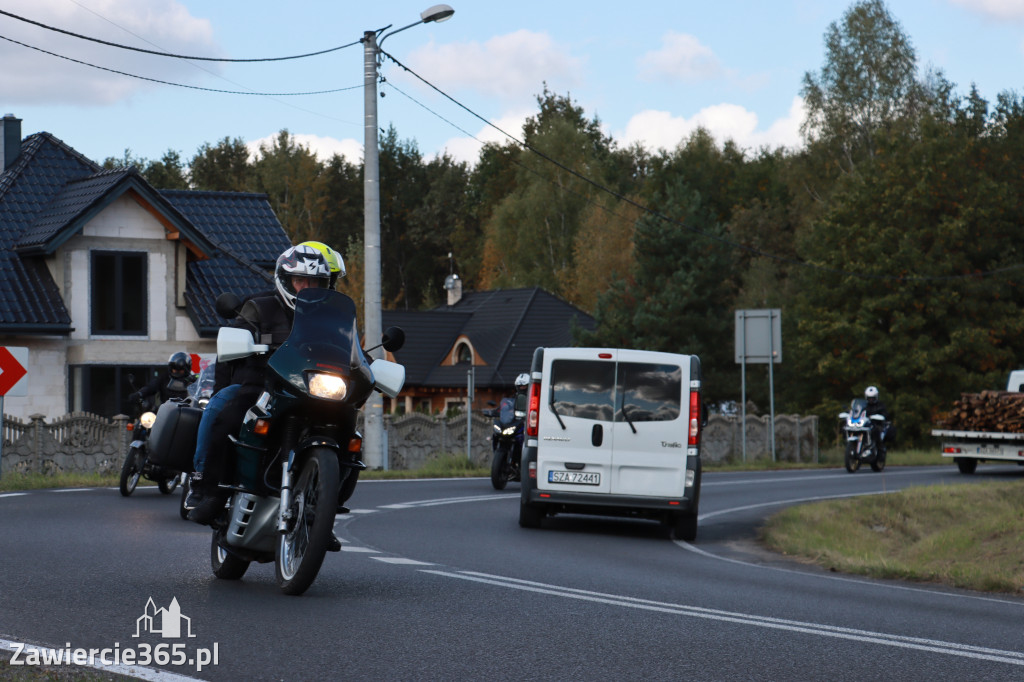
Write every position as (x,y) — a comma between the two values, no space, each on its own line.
(998,9)
(510,67)
(33,77)
(681,58)
(661,130)
(323,147)
(467,149)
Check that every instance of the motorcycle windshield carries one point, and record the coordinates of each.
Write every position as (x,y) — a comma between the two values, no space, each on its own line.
(324,338)
(857,409)
(507,412)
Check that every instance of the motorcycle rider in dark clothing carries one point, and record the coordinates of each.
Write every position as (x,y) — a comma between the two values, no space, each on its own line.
(173,383)
(241,382)
(876,406)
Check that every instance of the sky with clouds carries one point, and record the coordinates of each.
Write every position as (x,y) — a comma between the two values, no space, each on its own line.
(650,71)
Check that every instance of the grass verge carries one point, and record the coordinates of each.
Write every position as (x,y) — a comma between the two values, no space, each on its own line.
(967,535)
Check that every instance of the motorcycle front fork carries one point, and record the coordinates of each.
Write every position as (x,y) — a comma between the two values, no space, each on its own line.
(284,513)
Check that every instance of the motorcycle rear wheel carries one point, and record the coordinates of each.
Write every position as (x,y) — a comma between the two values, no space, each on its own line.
(131,470)
(226,565)
(301,550)
(499,472)
(879,462)
(850,459)
(167,485)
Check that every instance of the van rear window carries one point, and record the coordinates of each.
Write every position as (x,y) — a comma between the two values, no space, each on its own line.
(590,389)
(583,388)
(650,393)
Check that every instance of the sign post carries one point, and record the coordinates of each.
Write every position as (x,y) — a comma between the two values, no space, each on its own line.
(13,360)
(758,340)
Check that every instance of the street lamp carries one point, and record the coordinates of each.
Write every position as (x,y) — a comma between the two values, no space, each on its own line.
(373,438)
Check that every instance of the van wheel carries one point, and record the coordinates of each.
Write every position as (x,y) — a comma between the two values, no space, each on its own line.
(684,526)
(530,515)
(966,465)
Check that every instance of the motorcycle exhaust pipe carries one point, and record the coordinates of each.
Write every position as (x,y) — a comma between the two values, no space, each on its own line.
(285,510)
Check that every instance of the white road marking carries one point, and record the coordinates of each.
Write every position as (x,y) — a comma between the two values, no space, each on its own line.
(401,561)
(821,630)
(364,550)
(12,494)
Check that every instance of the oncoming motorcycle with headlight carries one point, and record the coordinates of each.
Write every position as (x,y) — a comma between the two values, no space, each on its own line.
(860,446)
(297,455)
(137,462)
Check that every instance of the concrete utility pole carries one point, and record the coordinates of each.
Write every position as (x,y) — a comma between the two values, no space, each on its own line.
(373,436)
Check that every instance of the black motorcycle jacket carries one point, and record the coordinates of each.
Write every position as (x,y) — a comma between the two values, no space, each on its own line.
(877,407)
(167,387)
(270,322)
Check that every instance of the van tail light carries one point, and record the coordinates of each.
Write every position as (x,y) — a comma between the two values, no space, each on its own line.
(694,436)
(532,471)
(533,410)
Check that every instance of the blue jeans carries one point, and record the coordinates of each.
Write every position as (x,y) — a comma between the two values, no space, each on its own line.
(217,402)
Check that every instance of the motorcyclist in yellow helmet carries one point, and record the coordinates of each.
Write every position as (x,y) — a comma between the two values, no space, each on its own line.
(334,260)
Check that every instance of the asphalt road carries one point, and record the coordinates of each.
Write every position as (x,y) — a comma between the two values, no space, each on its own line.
(438,582)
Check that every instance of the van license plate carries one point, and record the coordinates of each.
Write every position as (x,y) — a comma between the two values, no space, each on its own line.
(574,477)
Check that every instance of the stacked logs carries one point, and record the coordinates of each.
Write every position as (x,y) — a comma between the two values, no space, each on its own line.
(1001,411)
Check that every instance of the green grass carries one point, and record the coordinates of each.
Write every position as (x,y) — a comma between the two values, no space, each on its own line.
(967,535)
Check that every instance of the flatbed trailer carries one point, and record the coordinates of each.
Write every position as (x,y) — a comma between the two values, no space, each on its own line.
(967,448)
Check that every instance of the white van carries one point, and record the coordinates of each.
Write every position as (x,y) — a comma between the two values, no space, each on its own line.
(614,432)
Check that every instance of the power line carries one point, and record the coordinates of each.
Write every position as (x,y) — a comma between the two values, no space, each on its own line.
(658,214)
(179,85)
(170,54)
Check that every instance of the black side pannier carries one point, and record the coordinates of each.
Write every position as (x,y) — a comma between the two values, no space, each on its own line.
(172,442)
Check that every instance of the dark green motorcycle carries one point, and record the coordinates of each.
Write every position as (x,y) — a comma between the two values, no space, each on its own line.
(297,455)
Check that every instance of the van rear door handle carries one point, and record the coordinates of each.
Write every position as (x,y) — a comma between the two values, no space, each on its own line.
(574,465)
(597,436)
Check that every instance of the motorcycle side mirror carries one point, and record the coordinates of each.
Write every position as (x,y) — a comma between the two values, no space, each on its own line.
(393,339)
(228,304)
(703,414)
(844,415)
(520,414)
(234,343)
(877,418)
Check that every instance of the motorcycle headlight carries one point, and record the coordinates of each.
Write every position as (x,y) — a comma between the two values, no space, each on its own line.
(147,419)
(327,386)
(509,431)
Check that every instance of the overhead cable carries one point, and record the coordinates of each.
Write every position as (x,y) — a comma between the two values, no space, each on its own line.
(170,54)
(180,85)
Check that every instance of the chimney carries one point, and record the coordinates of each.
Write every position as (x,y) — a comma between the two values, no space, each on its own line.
(10,141)
(454,286)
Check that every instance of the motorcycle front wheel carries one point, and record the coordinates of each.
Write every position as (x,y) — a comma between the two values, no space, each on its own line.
(185,489)
(301,550)
(226,565)
(131,470)
(850,459)
(499,473)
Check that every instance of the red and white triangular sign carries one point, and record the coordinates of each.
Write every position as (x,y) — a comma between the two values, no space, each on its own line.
(12,370)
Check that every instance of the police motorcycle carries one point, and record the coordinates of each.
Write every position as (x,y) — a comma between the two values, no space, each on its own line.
(138,462)
(507,440)
(860,447)
(298,453)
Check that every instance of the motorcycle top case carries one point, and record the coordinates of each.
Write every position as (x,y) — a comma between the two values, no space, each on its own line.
(172,441)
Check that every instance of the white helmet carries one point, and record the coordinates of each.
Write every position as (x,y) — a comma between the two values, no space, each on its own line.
(304,261)
(522,381)
(870,392)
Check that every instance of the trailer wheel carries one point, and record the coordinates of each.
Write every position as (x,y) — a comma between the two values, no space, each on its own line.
(966,465)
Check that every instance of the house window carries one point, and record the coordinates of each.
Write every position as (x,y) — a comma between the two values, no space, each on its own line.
(104,389)
(463,354)
(119,293)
